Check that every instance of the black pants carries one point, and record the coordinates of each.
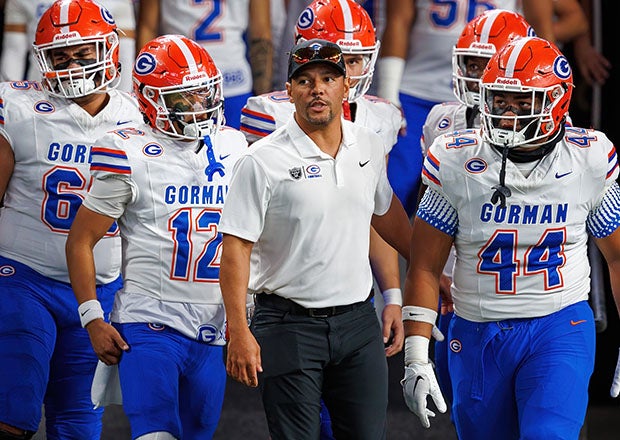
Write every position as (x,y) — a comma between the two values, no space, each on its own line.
(340,358)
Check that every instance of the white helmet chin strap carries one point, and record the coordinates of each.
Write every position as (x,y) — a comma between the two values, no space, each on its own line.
(508,137)
(78,86)
(197,131)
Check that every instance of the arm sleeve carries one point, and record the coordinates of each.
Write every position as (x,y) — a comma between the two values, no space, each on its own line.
(605,218)
(437,211)
(14,53)
(109,196)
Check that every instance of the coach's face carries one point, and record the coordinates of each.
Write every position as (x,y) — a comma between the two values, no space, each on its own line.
(317,92)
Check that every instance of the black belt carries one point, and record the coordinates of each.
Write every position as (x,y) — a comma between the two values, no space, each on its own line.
(274,301)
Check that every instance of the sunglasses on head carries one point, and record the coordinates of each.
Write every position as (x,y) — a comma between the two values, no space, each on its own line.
(327,53)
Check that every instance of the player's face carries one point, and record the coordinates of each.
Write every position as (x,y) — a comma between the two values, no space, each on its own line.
(74,56)
(198,101)
(317,92)
(355,66)
(474,66)
(511,105)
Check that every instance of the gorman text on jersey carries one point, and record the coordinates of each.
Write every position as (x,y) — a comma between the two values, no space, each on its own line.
(195,194)
(526,214)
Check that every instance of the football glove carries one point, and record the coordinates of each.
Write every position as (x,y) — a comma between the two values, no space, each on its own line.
(420,382)
(615,384)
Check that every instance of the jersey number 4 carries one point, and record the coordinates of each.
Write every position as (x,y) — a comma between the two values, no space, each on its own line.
(184,225)
(498,257)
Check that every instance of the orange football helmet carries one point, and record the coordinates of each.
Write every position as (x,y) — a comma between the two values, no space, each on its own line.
(347,24)
(482,37)
(68,23)
(530,66)
(179,88)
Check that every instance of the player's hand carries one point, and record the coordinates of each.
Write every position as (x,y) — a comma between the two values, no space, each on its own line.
(243,362)
(419,383)
(615,384)
(393,324)
(106,341)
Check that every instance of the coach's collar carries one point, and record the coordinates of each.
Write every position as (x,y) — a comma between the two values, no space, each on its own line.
(307,148)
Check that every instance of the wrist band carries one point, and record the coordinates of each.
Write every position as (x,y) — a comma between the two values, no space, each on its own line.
(416,349)
(389,76)
(420,314)
(392,296)
(89,311)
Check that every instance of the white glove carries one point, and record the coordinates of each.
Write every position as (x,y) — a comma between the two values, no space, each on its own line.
(615,384)
(106,386)
(418,383)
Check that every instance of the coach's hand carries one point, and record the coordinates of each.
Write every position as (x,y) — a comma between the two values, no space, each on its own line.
(615,384)
(420,382)
(243,361)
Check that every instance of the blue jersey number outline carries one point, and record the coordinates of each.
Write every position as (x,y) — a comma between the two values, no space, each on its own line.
(205,267)
(205,30)
(498,257)
(62,187)
(445,13)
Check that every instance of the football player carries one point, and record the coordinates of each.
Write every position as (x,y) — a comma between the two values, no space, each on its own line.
(46,133)
(414,69)
(481,38)
(20,24)
(517,198)
(165,182)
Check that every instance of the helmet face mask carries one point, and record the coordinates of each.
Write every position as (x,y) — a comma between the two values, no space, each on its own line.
(529,84)
(480,39)
(77,49)
(467,77)
(347,24)
(179,89)
(189,113)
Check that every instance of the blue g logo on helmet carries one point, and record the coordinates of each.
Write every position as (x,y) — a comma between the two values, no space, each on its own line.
(306,18)
(561,67)
(145,64)
(107,16)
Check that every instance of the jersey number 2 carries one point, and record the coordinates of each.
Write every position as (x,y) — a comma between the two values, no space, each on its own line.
(204,31)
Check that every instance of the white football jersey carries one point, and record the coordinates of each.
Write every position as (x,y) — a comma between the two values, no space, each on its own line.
(265,113)
(169,228)
(530,258)
(444,118)
(51,140)
(437,26)
(171,244)
(219,26)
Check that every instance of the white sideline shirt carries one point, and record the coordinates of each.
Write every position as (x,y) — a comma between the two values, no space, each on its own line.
(308,214)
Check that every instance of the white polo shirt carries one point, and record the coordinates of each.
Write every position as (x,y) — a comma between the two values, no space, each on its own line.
(309,214)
